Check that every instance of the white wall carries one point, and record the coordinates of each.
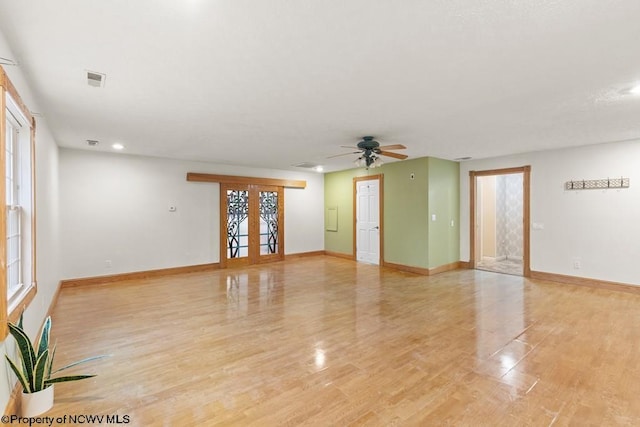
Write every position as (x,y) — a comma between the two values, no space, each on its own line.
(47,273)
(116,207)
(600,227)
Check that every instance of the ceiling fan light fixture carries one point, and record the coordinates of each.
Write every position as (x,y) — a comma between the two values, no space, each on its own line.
(370,152)
(369,161)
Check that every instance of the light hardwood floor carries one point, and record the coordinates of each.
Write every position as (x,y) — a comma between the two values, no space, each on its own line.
(329,342)
(506,266)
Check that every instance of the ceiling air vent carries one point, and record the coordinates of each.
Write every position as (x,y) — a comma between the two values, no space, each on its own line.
(316,167)
(306,165)
(96,79)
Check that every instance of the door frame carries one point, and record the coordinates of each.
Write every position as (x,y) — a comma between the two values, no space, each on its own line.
(380,178)
(253,256)
(526,204)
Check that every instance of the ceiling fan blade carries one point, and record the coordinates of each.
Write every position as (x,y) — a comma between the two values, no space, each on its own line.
(393,147)
(349,146)
(396,155)
(343,154)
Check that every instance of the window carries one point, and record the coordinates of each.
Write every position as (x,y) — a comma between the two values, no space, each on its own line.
(12,180)
(17,220)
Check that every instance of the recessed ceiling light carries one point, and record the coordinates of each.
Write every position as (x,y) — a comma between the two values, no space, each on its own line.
(318,169)
(630,90)
(117,146)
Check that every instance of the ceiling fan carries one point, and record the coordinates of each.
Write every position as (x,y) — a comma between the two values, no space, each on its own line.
(370,151)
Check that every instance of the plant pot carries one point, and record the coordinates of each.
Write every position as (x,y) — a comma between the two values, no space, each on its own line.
(37,403)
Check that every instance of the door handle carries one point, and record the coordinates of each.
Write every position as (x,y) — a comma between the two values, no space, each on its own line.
(376,228)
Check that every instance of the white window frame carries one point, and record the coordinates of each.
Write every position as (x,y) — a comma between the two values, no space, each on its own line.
(13,239)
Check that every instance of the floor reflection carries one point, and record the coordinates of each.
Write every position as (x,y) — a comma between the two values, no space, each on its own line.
(252,291)
(500,320)
(320,357)
(505,266)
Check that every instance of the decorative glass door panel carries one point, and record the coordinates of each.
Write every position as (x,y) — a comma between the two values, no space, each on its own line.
(237,223)
(251,224)
(268,222)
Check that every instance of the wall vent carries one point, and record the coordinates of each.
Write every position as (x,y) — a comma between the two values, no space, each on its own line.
(96,79)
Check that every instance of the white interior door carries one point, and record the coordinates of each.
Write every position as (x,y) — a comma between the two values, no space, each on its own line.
(368,221)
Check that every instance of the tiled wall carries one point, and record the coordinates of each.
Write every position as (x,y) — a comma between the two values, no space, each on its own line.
(509,231)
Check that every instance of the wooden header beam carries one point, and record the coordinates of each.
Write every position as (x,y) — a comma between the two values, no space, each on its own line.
(10,88)
(231,179)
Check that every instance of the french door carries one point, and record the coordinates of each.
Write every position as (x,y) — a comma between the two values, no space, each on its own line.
(251,224)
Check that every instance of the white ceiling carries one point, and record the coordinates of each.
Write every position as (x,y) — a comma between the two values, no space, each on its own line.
(274,83)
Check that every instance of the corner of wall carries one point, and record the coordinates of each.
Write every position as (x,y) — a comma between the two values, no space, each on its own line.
(444,212)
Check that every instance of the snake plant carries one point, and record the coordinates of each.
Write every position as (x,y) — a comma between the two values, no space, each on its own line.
(36,370)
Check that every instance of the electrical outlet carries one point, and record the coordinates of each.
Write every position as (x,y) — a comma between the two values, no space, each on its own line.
(107,263)
(577,263)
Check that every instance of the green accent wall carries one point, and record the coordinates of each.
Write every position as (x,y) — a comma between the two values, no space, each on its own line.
(410,237)
(338,192)
(444,202)
(405,204)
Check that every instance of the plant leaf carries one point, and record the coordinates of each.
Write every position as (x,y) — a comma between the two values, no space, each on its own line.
(47,374)
(20,320)
(88,359)
(19,374)
(39,371)
(43,342)
(68,378)
(27,353)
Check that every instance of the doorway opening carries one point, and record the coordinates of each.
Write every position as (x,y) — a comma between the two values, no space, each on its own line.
(368,218)
(499,220)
